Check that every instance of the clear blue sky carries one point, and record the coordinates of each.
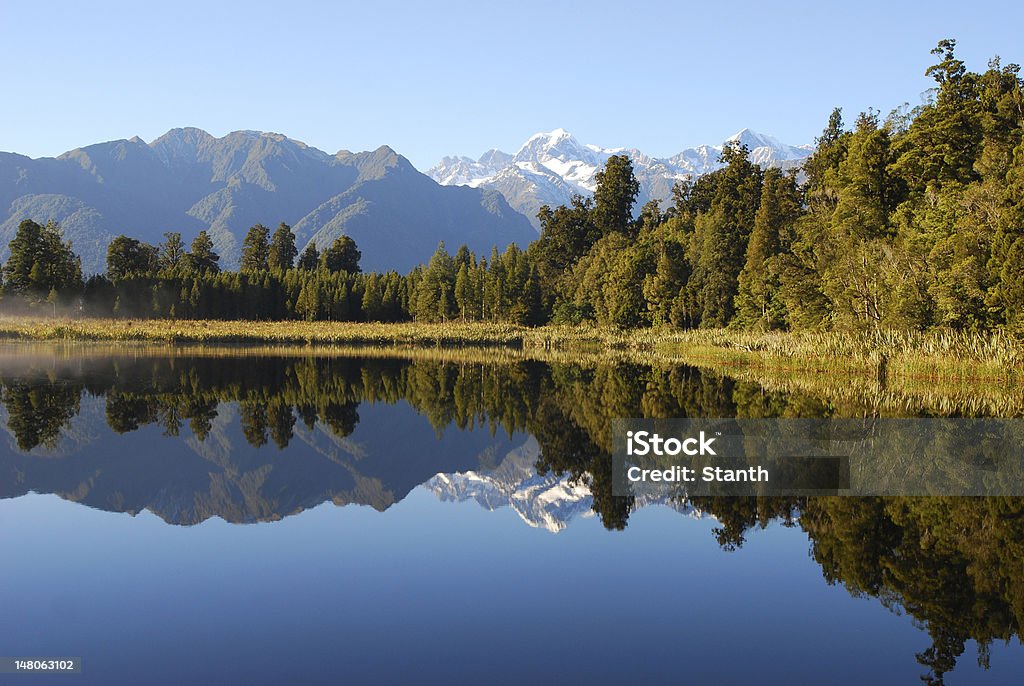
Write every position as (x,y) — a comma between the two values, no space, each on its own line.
(440,78)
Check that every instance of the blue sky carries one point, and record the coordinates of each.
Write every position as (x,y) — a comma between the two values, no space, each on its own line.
(440,78)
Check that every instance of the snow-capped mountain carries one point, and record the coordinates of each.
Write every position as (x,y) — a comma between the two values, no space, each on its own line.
(767,151)
(551,167)
(545,502)
(463,171)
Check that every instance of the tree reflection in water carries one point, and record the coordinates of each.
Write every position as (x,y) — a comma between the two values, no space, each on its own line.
(954,564)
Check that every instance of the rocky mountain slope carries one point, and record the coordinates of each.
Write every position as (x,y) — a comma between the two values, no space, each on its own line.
(188,180)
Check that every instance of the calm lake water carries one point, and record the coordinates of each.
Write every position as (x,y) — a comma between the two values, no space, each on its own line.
(276,517)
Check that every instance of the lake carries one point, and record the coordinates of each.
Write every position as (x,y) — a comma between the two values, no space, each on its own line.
(267,516)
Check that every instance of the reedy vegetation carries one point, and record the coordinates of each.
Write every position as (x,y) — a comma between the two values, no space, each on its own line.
(943,372)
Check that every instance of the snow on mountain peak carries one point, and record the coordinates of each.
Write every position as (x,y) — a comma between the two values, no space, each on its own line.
(552,137)
(553,144)
(548,502)
(765,149)
(552,166)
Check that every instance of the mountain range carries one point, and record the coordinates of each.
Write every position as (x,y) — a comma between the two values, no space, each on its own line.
(551,167)
(185,481)
(188,180)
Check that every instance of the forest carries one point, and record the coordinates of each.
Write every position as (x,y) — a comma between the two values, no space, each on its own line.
(911,221)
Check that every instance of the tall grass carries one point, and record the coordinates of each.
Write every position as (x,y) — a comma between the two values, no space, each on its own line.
(887,354)
(879,355)
(941,372)
(248,332)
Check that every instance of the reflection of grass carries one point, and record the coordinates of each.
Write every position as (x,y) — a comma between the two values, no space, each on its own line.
(211,331)
(936,355)
(855,395)
(942,371)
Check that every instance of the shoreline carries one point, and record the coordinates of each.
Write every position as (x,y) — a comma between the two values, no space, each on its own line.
(884,355)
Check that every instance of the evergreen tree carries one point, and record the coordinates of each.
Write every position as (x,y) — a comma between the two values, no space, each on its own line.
(464,295)
(650,217)
(608,282)
(616,192)
(1010,290)
(824,162)
(721,235)
(861,232)
(201,258)
(494,300)
(308,305)
(463,257)
(913,222)
(40,262)
(812,246)
(373,305)
(692,197)
(172,252)
(867,192)
(758,302)
(663,289)
(342,256)
(310,258)
(945,138)
(130,257)
(434,296)
(256,249)
(567,233)
(282,252)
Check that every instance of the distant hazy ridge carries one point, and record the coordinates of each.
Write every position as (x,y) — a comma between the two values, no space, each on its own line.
(188,180)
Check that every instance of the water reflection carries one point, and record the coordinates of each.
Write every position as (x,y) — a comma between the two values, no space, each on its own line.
(201,402)
(248,438)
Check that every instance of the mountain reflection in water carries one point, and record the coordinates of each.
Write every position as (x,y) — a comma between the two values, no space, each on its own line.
(249,438)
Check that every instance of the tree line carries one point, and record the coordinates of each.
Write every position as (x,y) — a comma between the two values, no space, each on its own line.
(273,282)
(913,221)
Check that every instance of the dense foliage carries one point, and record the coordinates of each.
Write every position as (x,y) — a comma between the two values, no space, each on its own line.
(913,222)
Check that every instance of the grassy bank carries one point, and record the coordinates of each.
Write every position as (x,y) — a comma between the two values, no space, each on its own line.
(270,333)
(878,356)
